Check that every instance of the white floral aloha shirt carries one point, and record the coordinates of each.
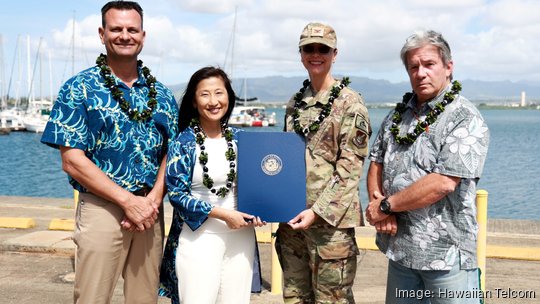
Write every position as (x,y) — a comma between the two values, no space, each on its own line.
(438,236)
(85,116)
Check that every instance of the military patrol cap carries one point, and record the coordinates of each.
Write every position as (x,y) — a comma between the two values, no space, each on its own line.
(318,33)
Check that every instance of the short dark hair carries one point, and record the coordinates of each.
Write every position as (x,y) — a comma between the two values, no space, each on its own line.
(187,111)
(120,5)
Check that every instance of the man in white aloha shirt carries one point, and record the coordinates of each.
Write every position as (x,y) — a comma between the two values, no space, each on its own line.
(425,164)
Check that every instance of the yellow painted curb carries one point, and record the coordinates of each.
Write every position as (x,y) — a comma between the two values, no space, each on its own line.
(62,224)
(515,253)
(366,243)
(502,252)
(17,222)
(69,225)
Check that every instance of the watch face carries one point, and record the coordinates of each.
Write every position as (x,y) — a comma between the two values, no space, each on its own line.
(385,207)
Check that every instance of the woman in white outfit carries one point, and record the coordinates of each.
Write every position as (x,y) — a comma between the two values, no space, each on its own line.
(214,257)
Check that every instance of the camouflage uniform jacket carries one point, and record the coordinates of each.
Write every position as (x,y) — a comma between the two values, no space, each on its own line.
(334,155)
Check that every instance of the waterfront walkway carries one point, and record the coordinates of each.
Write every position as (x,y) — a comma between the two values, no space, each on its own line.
(36,254)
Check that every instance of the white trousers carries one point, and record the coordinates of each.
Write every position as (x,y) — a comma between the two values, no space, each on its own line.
(215,267)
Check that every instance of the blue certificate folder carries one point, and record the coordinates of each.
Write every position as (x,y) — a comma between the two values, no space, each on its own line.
(271,175)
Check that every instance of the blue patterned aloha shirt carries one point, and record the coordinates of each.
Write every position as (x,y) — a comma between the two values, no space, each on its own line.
(443,234)
(181,160)
(85,116)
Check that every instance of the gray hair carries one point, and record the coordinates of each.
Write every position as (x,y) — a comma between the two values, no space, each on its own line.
(425,37)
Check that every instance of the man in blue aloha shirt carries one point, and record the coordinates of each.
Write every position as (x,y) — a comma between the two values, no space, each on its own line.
(425,163)
(112,124)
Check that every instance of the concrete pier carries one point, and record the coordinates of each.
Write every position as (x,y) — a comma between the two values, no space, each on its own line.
(36,254)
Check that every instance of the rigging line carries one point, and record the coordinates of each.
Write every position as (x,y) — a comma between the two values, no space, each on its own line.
(13,65)
(227,54)
(2,73)
(230,48)
(34,69)
(73,47)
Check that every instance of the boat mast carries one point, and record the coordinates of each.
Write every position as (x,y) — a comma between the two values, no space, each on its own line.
(31,95)
(29,68)
(3,99)
(50,77)
(40,57)
(72,47)
(230,50)
(18,50)
(20,79)
(71,50)
(245,90)
(233,40)
(15,59)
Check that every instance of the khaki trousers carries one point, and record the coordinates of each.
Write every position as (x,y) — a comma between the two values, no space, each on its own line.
(105,250)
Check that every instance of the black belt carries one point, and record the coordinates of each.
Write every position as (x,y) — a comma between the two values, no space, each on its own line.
(142,192)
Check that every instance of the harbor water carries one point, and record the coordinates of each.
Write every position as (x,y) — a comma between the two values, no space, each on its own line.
(511,176)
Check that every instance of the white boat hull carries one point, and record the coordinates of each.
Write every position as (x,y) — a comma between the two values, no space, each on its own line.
(245,116)
(37,115)
(12,119)
(35,124)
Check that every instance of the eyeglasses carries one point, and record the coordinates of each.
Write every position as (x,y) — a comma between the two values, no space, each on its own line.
(311,48)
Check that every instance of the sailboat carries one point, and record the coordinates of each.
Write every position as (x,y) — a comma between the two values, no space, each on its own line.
(245,115)
(3,123)
(11,118)
(37,112)
(37,115)
(244,100)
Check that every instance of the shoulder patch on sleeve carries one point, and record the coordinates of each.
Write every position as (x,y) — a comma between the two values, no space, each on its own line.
(362,133)
(361,123)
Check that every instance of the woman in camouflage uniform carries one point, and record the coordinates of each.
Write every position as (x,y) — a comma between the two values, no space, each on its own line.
(317,248)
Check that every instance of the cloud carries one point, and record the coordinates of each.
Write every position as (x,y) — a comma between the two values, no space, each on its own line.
(211,6)
(490,40)
(513,13)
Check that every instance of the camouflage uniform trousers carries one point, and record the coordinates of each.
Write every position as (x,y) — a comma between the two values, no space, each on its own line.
(319,264)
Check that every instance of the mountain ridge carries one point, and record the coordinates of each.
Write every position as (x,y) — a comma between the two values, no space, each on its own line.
(279,89)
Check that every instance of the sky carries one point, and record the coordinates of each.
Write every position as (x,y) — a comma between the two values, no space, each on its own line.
(491,40)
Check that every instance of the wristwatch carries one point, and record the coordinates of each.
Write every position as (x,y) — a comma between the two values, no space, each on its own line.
(385,206)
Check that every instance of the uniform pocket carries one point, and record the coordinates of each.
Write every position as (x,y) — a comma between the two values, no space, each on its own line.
(337,265)
(337,250)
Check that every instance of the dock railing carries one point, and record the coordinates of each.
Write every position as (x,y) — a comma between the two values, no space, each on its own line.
(481,218)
